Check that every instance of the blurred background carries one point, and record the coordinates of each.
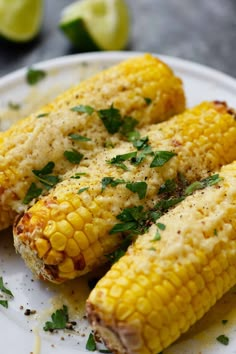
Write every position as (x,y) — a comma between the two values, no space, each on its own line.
(201,31)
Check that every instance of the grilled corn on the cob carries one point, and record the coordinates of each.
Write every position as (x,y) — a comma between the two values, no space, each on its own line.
(66,233)
(142,87)
(160,288)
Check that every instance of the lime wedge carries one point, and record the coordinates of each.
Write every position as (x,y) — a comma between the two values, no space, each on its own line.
(20,20)
(96,24)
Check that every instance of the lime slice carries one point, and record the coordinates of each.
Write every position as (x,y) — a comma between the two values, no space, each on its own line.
(96,24)
(20,20)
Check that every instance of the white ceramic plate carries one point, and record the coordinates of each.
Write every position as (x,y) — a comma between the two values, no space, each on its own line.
(24,335)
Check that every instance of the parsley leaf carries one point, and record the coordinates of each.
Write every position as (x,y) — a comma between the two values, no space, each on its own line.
(161,226)
(165,204)
(120,252)
(4,289)
(223,339)
(148,100)
(81,190)
(138,187)
(41,115)
(59,320)
(78,175)
(118,159)
(141,156)
(206,182)
(91,344)
(111,119)
(73,156)
(161,157)
(43,175)
(157,236)
(128,125)
(77,137)
(168,187)
(111,181)
(14,106)
(141,143)
(4,303)
(33,76)
(48,168)
(33,192)
(83,109)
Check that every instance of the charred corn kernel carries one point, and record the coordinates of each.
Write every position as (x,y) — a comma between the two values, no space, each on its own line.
(94,213)
(72,248)
(75,219)
(42,247)
(58,241)
(65,228)
(66,266)
(31,143)
(209,261)
(53,257)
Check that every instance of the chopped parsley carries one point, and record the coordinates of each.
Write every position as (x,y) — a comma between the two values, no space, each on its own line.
(41,115)
(138,187)
(6,291)
(148,100)
(206,182)
(223,339)
(91,344)
(108,144)
(73,156)
(81,190)
(224,322)
(111,119)
(157,236)
(120,252)
(119,159)
(141,156)
(168,187)
(165,204)
(83,109)
(14,106)
(128,125)
(141,143)
(60,318)
(106,181)
(78,175)
(77,137)
(161,157)
(32,193)
(215,232)
(34,76)
(161,226)
(44,176)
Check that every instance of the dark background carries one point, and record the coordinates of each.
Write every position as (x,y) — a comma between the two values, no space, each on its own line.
(203,31)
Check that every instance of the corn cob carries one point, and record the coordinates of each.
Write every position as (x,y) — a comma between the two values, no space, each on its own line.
(44,136)
(66,234)
(160,288)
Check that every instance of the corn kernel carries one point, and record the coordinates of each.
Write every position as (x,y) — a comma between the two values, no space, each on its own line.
(81,240)
(58,241)
(66,266)
(65,228)
(72,248)
(76,220)
(143,306)
(57,214)
(85,214)
(75,200)
(66,207)
(123,311)
(97,249)
(42,247)
(50,228)
(92,232)
(116,291)
(53,257)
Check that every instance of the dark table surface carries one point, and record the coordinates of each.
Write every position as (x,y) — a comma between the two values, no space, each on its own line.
(203,31)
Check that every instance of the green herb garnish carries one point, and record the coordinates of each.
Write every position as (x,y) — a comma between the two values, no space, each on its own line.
(223,339)
(44,176)
(83,109)
(4,289)
(206,182)
(59,320)
(77,137)
(120,252)
(161,157)
(91,344)
(119,159)
(224,322)
(138,187)
(148,100)
(14,106)
(33,192)
(81,190)
(111,119)
(165,204)
(108,144)
(4,303)
(128,125)
(41,115)
(168,187)
(141,143)
(73,156)
(215,232)
(78,175)
(161,226)
(34,76)
(106,181)
(157,236)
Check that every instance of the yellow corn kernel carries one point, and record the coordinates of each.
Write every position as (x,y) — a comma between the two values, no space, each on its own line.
(66,266)
(81,239)
(85,214)
(50,228)
(72,248)
(65,228)
(42,246)
(58,241)
(76,220)
(92,232)
(57,214)
(53,257)
(66,207)
(122,312)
